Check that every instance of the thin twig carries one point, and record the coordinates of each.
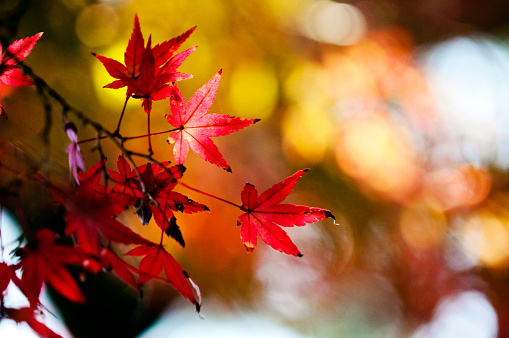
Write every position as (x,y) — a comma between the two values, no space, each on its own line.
(68,109)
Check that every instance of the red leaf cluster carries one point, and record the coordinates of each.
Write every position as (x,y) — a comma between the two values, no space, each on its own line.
(152,187)
(92,208)
(41,261)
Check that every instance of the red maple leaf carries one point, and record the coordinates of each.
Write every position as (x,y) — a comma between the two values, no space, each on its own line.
(158,182)
(10,74)
(27,315)
(265,216)
(153,83)
(91,211)
(156,259)
(109,260)
(148,71)
(195,127)
(126,179)
(43,260)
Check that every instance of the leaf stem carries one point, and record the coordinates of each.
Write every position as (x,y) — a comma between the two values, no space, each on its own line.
(165,220)
(92,139)
(117,131)
(149,138)
(210,195)
(157,133)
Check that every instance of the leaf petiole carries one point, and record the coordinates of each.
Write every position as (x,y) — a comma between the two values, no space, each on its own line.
(210,195)
(117,131)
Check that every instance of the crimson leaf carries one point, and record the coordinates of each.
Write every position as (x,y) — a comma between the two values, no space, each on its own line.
(264,215)
(16,52)
(90,213)
(148,71)
(195,127)
(43,260)
(156,259)
(27,315)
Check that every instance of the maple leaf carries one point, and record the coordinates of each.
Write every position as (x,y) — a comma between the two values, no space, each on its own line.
(43,260)
(264,215)
(10,74)
(148,71)
(27,315)
(90,213)
(195,126)
(156,259)
(158,182)
(171,201)
(110,261)
(153,83)
(160,185)
(126,178)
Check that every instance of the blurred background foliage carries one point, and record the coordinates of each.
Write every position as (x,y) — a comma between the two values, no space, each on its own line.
(400,108)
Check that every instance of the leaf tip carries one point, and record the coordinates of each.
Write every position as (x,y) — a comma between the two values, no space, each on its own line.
(256,120)
(94,54)
(329,214)
(305,170)
(300,255)
(220,71)
(229,169)
(198,308)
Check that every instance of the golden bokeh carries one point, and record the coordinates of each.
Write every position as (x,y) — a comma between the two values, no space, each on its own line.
(485,237)
(378,156)
(307,131)
(253,90)
(96,25)
(421,227)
